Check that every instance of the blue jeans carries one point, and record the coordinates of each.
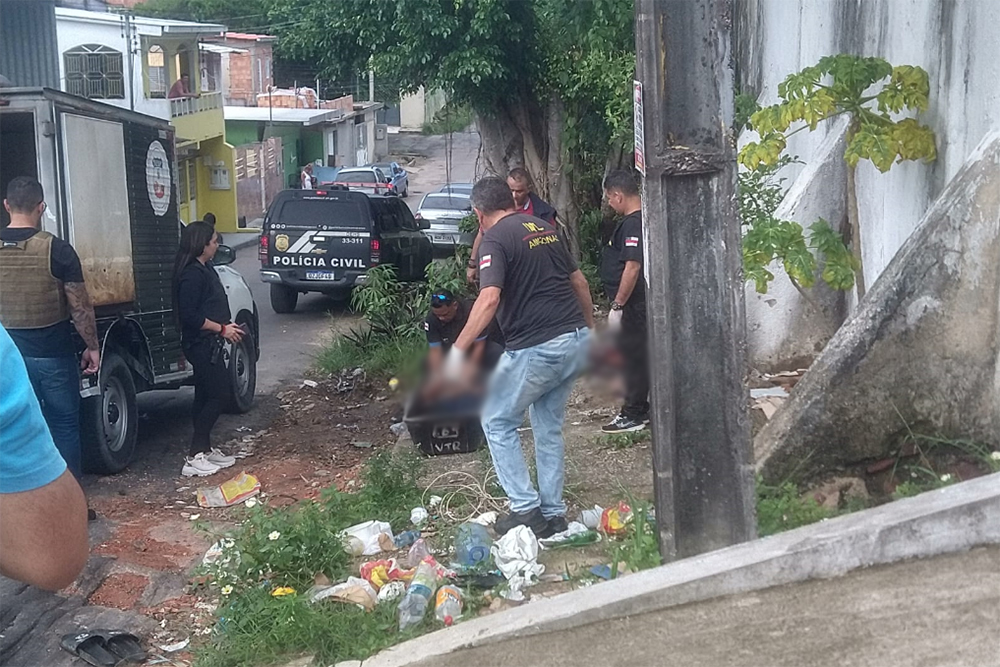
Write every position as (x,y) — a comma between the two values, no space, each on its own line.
(56,381)
(538,379)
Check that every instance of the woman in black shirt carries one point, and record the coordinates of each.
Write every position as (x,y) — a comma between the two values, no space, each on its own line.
(203,310)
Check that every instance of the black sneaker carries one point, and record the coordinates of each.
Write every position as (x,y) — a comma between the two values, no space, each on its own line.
(557,524)
(623,424)
(533,519)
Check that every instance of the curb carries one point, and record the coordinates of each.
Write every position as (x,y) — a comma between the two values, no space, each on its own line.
(948,520)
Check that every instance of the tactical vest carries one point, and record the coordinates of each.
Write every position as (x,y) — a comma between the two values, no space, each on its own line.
(30,296)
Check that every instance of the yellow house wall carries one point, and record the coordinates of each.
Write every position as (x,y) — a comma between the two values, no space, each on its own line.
(220,202)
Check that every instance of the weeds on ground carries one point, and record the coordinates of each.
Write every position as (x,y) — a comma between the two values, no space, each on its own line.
(637,548)
(451,118)
(782,507)
(922,476)
(290,546)
(623,440)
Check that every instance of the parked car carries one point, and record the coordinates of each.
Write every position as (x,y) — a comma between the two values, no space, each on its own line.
(457,188)
(369,180)
(325,240)
(397,176)
(325,175)
(443,211)
(119,206)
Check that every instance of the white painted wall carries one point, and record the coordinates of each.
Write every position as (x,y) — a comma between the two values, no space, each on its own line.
(419,108)
(73,31)
(956,42)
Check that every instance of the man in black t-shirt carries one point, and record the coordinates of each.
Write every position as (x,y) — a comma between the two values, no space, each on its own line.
(542,301)
(621,273)
(41,291)
(443,325)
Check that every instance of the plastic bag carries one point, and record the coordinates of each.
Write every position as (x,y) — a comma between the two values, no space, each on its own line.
(368,533)
(614,519)
(516,556)
(354,591)
(380,572)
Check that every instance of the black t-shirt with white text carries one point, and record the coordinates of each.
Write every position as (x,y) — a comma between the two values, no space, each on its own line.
(625,245)
(55,340)
(525,257)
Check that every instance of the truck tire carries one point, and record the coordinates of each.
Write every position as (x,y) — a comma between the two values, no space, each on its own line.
(283,298)
(242,366)
(110,422)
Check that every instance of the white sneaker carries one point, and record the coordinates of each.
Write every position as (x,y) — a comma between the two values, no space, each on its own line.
(218,458)
(198,466)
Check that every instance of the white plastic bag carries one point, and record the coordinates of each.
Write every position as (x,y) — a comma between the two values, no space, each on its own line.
(516,556)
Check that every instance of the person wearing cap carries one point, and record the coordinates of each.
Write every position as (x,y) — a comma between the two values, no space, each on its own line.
(445,322)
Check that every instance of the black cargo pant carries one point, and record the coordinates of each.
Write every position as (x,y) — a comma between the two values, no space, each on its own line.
(635,357)
(211,388)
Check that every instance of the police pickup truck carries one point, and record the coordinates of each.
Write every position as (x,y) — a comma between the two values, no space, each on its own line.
(326,240)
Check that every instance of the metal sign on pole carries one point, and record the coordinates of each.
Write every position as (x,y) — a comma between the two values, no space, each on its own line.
(639,130)
(703,477)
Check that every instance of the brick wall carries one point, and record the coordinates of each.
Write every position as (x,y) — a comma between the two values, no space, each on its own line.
(345,103)
(240,79)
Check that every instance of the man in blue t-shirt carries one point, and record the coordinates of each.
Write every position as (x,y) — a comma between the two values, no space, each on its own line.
(43,514)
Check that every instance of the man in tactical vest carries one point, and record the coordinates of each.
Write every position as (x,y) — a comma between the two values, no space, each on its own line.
(41,290)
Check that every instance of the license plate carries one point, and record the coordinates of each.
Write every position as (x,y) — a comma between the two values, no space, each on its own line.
(320,275)
(444,238)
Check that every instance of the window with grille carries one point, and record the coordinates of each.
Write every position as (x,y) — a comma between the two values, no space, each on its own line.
(95,71)
(156,71)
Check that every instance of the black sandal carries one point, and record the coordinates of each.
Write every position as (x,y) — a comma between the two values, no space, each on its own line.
(91,648)
(125,645)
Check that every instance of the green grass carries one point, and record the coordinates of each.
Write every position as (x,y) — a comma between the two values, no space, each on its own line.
(383,359)
(451,118)
(782,507)
(623,440)
(289,547)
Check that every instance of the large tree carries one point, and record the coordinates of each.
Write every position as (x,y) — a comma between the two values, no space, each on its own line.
(549,80)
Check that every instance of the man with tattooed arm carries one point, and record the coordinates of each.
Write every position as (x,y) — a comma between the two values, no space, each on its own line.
(41,292)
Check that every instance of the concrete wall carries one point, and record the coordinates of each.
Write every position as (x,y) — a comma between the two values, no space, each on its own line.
(955,42)
(418,108)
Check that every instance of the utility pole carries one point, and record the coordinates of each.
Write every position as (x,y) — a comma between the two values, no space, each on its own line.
(371,85)
(703,479)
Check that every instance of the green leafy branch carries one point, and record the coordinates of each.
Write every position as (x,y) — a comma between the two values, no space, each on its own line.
(838,85)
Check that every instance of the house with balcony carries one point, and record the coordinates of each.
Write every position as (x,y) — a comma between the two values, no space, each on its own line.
(133,62)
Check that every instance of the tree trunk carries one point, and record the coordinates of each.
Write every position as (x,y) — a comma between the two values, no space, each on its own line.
(522,135)
(853,219)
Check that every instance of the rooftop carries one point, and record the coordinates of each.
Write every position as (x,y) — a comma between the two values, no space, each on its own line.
(250,37)
(144,24)
(284,115)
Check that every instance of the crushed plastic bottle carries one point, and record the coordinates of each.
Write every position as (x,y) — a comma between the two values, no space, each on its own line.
(418,595)
(418,552)
(406,538)
(472,544)
(449,604)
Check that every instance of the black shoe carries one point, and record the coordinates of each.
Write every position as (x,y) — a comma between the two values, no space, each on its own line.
(557,524)
(91,515)
(533,519)
(623,424)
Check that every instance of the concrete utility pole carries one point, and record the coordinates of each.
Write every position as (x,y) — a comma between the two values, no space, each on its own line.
(703,478)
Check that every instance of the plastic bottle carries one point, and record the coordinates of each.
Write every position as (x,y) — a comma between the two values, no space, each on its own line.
(449,604)
(472,544)
(418,552)
(406,538)
(418,595)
